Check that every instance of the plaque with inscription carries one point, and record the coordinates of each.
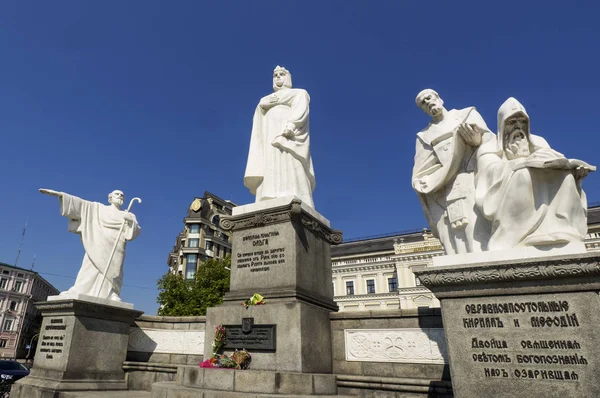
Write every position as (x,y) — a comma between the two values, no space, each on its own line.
(525,345)
(260,252)
(259,338)
(52,338)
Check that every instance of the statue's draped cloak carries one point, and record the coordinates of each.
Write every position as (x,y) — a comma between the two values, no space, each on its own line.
(278,166)
(99,227)
(527,206)
(448,164)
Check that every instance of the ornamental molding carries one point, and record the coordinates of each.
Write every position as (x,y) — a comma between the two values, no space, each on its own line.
(334,237)
(281,214)
(348,269)
(541,269)
(372,296)
(396,345)
(411,290)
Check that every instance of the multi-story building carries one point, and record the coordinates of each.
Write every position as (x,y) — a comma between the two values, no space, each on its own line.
(20,321)
(201,237)
(376,273)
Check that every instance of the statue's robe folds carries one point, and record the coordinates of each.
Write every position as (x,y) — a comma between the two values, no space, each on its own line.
(447,164)
(278,166)
(529,206)
(99,227)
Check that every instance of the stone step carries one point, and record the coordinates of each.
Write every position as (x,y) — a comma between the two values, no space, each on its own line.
(172,390)
(257,381)
(105,394)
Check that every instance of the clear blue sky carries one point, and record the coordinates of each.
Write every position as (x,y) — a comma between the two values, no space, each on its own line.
(156,98)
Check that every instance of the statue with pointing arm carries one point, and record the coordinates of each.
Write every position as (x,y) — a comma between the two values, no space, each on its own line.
(105,231)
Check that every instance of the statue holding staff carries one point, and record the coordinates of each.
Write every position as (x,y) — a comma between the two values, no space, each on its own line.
(105,231)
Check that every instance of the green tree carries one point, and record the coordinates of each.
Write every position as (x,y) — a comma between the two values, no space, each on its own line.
(179,297)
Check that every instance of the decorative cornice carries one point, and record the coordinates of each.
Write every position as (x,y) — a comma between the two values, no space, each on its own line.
(416,289)
(343,269)
(290,212)
(332,236)
(86,308)
(505,272)
(354,297)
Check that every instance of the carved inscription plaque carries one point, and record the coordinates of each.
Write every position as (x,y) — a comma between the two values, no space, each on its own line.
(524,346)
(53,338)
(261,252)
(259,338)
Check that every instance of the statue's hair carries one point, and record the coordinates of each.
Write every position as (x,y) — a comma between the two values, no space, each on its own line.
(110,194)
(423,93)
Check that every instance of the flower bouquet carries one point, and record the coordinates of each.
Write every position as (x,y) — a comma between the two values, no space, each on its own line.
(256,299)
(219,340)
(237,360)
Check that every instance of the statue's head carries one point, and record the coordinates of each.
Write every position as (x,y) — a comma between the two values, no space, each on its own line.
(282,78)
(513,130)
(430,102)
(116,198)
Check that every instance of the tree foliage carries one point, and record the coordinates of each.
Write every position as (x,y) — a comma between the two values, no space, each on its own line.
(178,297)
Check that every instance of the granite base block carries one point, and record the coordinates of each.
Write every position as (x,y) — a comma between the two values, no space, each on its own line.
(521,329)
(82,346)
(303,334)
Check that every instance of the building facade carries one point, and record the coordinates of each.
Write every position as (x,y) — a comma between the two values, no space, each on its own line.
(202,237)
(20,321)
(376,273)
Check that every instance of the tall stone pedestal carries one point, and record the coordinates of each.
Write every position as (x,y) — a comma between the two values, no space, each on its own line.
(525,328)
(82,346)
(281,250)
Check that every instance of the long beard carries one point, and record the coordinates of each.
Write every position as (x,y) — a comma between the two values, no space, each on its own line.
(517,147)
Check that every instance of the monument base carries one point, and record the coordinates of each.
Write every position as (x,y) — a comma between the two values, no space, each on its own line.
(92,299)
(193,381)
(516,254)
(82,346)
(280,250)
(523,328)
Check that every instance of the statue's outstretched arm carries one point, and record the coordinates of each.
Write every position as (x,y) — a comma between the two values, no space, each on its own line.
(51,192)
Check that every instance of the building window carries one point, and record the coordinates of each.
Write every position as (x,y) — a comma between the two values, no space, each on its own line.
(18,285)
(8,324)
(13,305)
(417,281)
(194,228)
(20,275)
(6,272)
(3,283)
(370,286)
(216,220)
(194,242)
(392,284)
(190,268)
(209,245)
(350,288)
(3,343)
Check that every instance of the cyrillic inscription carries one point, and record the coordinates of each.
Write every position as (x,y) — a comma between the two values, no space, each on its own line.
(264,254)
(500,335)
(52,343)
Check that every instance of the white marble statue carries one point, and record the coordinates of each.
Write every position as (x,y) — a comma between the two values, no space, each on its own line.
(279,161)
(443,173)
(104,230)
(531,193)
